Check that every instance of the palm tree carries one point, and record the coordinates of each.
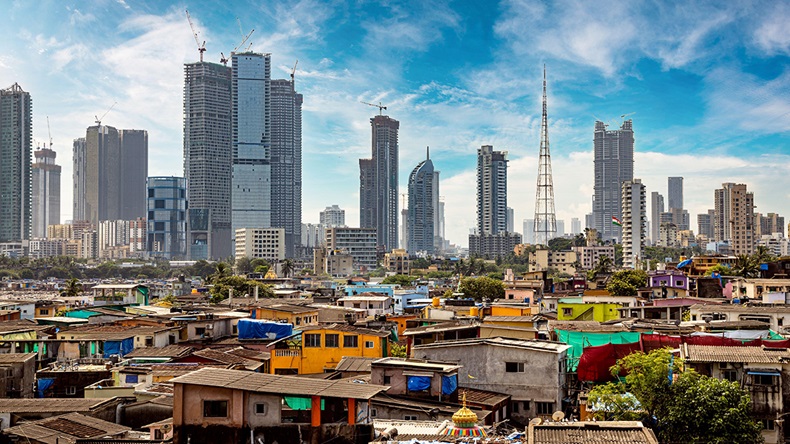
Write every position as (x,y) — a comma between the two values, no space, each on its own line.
(763,255)
(287,267)
(73,287)
(221,270)
(746,266)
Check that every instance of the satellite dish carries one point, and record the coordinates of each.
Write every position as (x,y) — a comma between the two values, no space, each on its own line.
(557,416)
(166,428)
(536,421)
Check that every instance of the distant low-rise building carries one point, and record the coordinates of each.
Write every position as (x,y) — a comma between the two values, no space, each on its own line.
(261,243)
(17,375)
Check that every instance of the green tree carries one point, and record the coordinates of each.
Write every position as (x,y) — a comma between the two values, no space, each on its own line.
(287,267)
(626,282)
(399,279)
(722,269)
(244,265)
(241,287)
(397,350)
(221,271)
(746,266)
(560,244)
(261,269)
(691,409)
(482,288)
(618,255)
(763,255)
(73,287)
(420,263)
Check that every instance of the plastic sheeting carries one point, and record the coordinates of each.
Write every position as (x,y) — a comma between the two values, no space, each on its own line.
(595,362)
(300,403)
(580,339)
(261,329)
(419,383)
(656,341)
(449,384)
(120,348)
(43,385)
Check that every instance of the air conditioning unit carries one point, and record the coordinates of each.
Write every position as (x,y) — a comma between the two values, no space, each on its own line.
(209,326)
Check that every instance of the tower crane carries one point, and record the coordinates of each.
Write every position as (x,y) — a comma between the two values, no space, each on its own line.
(223,59)
(244,37)
(626,115)
(201,47)
(293,72)
(49,131)
(379,106)
(98,120)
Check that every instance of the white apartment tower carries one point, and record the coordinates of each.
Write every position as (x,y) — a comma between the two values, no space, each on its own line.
(634,222)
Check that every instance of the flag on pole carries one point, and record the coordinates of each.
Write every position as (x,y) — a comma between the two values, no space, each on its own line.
(616,221)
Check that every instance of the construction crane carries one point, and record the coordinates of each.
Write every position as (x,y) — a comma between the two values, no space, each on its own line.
(293,72)
(98,120)
(223,59)
(49,131)
(379,106)
(243,39)
(201,47)
(626,115)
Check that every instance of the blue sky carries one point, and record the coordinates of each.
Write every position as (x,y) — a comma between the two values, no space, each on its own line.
(708,84)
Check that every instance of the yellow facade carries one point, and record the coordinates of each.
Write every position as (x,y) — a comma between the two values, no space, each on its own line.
(320,349)
(297,319)
(48,311)
(599,311)
(503,310)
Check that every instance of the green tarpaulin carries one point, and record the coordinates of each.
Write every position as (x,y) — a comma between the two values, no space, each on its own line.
(580,339)
(300,403)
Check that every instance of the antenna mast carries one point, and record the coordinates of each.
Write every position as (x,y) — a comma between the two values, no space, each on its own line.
(545,218)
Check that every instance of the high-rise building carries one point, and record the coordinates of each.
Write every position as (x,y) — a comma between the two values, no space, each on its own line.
(79,162)
(614,165)
(529,231)
(576,226)
(545,218)
(675,192)
(769,224)
(634,219)
(705,224)
(15,164)
(560,232)
(511,223)
(360,243)
(734,217)
(440,223)
(207,159)
(115,164)
(333,216)
(421,219)
(167,225)
(656,208)
(438,215)
(251,182)
(46,192)
(286,162)
(491,190)
(134,172)
(112,234)
(378,190)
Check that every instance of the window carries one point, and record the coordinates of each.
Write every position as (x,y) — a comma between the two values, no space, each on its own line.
(768,424)
(545,408)
(149,341)
(44,311)
(729,375)
(410,417)
(350,341)
(332,340)
(71,390)
(567,312)
(374,413)
(159,203)
(763,379)
(200,331)
(215,409)
(514,367)
(525,405)
(260,408)
(312,340)
(387,380)
(515,406)
(369,344)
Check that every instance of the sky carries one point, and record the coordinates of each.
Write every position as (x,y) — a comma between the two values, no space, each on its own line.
(707,85)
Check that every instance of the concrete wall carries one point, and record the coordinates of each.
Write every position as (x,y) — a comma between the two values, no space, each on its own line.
(541,380)
(272,414)
(282,434)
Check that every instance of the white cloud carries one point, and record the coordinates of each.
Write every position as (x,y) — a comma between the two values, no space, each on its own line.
(773,36)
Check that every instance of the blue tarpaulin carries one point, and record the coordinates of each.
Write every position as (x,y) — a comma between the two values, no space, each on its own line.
(419,383)
(684,263)
(449,384)
(120,348)
(43,385)
(261,329)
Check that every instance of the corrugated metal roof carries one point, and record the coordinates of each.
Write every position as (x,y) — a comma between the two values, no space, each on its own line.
(354,364)
(49,405)
(66,429)
(169,351)
(611,432)
(10,358)
(752,355)
(279,384)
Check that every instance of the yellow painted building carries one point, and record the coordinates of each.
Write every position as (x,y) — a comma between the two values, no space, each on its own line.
(578,311)
(292,314)
(510,310)
(319,348)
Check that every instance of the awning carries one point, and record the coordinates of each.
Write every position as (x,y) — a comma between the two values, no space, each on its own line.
(763,372)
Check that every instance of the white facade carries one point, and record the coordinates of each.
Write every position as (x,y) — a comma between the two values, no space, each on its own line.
(261,243)
(634,222)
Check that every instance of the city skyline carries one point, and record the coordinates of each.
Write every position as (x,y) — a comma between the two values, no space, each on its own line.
(725,116)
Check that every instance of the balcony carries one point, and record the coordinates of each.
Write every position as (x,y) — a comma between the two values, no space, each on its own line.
(287,353)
